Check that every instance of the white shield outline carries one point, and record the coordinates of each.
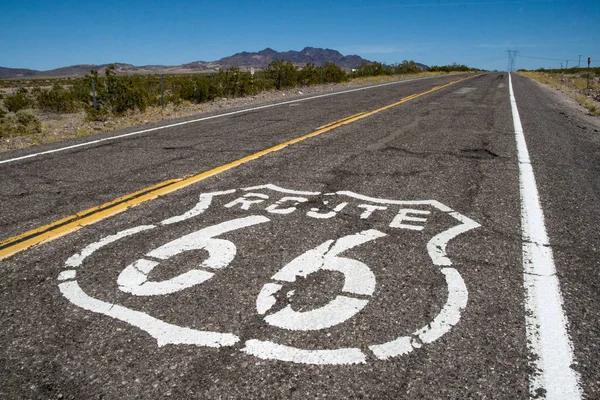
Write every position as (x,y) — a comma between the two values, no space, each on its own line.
(166,333)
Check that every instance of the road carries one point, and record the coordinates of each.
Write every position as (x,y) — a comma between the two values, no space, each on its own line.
(430,239)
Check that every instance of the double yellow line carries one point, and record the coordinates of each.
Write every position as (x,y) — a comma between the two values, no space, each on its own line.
(90,216)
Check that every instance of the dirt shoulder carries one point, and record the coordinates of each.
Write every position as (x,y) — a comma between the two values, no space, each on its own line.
(569,102)
(574,86)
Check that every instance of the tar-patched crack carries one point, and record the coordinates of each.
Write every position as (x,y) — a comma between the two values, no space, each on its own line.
(311,292)
(179,147)
(393,174)
(19,194)
(478,153)
(473,153)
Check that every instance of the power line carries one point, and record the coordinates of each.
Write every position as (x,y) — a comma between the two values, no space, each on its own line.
(546,58)
(554,59)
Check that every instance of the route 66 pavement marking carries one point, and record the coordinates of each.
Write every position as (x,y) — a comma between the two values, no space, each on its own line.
(359,278)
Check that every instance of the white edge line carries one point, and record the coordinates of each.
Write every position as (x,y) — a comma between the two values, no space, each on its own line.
(207,118)
(549,344)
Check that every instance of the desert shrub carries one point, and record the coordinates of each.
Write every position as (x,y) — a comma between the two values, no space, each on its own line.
(96,114)
(309,75)
(58,100)
(18,101)
(333,74)
(124,93)
(26,118)
(245,84)
(406,67)
(81,90)
(283,74)
(115,94)
(232,82)
(450,68)
(20,124)
(372,69)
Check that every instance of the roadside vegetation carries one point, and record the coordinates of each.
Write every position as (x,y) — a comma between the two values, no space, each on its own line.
(573,82)
(93,103)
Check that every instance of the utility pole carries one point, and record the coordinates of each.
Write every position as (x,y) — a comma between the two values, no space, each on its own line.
(512,54)
(579,63)
(561,65)
(567,64)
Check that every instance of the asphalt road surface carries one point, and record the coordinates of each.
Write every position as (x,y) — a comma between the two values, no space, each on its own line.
(431,239)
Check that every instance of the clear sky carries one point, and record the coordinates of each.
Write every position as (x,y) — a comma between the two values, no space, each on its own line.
(49,34)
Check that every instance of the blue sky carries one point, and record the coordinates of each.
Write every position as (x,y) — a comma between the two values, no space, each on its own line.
(50,34)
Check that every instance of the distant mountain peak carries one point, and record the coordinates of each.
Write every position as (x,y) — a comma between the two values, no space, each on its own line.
(244,60)
(315,55)
(267,51)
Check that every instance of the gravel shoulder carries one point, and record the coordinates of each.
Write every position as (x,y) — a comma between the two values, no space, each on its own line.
(571,105)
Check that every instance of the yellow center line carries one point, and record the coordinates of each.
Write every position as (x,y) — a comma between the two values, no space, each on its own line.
(340,120)
(92,215)
(89,211)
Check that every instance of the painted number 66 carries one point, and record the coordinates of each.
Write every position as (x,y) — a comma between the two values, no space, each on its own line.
(358,277)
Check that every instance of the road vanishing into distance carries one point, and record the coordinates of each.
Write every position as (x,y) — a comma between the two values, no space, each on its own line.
(428,239)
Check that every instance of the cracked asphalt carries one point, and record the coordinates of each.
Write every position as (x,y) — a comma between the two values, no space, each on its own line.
(453,148)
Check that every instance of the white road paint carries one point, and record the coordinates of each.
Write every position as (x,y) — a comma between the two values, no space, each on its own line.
(163,332)
(436,247)
(279,189)
(204,202)
(246,201)
(272,351)
(546,323)
(76,259)
(266,298)
(441,324)
(369,209)
(450,314)
(407,214)
(333,313)
(276,208)
(228,114)
(359,279)
(314,212)
(66,275)
(134,278)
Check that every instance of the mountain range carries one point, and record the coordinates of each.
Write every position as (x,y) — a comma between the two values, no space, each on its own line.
(244,60)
